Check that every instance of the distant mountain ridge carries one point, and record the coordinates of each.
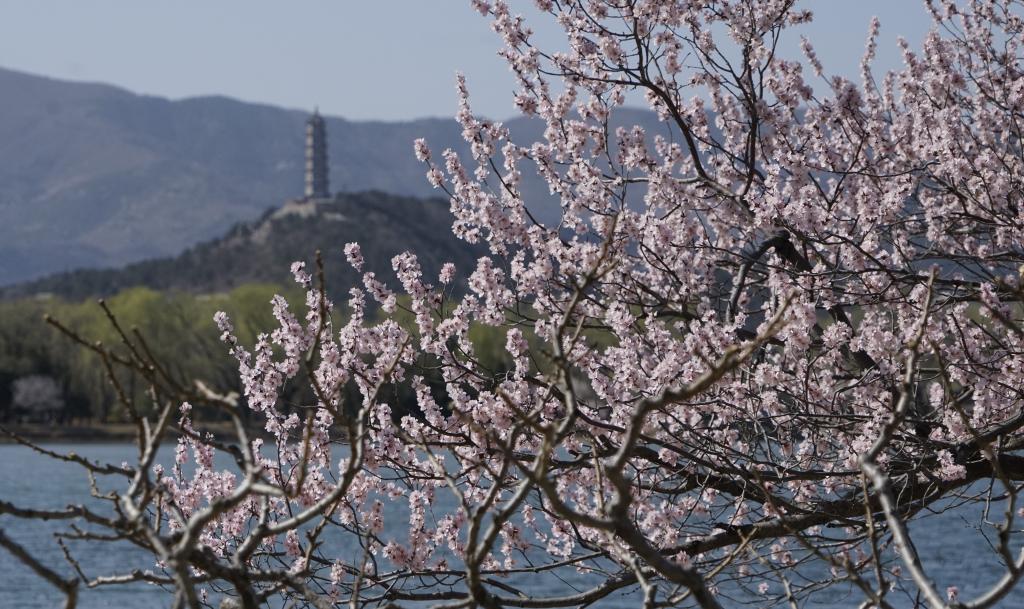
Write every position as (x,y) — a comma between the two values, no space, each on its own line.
(262,251)
(95,176)
(91,175)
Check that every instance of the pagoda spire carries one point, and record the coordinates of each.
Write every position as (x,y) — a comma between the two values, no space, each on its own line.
(316,158)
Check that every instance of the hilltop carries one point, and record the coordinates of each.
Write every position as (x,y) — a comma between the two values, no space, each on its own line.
(261,251)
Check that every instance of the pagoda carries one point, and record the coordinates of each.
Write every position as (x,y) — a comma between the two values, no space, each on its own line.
(316,158)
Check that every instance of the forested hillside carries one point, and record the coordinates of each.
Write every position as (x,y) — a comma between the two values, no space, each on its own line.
(262,251)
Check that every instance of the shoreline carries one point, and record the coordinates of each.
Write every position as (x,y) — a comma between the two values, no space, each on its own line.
(97,433)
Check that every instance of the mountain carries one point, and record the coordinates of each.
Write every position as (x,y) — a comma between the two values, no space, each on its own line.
(91,175)
(96,176)
(263,250)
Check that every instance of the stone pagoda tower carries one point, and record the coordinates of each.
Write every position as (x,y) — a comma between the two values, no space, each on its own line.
(316,158)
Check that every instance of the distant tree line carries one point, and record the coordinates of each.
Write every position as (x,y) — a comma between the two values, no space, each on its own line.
(35,358)
(44,377)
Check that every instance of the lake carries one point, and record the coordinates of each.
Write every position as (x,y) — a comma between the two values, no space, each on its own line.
(953,550)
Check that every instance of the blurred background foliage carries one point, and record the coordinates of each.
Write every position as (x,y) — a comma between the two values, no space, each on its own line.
(178,328)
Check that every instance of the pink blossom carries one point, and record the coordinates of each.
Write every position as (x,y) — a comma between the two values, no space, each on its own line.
(354,255)
(447,273)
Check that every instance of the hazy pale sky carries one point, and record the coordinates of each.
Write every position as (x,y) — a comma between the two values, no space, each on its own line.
(360,59)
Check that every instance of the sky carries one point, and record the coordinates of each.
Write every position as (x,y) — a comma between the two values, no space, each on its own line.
(359,59)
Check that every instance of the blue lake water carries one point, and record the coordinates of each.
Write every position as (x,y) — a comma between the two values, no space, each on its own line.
(953,550)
